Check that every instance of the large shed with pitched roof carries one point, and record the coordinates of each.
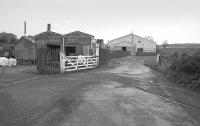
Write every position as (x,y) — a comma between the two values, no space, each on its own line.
(133,43)
(73,44)
(25,49)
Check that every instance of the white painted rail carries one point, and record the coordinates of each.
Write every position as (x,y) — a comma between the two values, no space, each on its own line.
(73,63)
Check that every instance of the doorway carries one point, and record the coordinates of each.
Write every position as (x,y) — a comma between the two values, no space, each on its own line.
(124,48)
(70,50)
(140,51)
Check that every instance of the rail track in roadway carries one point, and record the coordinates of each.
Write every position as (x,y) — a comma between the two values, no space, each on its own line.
(130,83)
(161,85)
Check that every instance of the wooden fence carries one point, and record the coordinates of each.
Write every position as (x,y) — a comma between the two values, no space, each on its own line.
(48,60)
(105,55)
(52,60)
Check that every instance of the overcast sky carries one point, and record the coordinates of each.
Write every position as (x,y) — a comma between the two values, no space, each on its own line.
(177,21)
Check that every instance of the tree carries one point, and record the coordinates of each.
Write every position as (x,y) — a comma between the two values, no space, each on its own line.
(149,38)
(8,38)
(7,43)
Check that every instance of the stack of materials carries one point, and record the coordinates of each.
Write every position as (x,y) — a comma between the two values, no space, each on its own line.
(7,61)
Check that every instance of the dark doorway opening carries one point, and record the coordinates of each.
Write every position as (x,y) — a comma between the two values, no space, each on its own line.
(124,48)
(70,50)
(53,51)
(140,51)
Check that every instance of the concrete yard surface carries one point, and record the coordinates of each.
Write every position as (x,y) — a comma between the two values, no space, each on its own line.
(105,96)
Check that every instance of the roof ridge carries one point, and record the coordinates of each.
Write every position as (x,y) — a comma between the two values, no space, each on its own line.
(79,32)
(129,35)
(47,32)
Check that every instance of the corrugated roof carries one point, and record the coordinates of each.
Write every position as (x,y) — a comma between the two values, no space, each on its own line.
(30,38)
(47,33)
(130,35)
(78,33)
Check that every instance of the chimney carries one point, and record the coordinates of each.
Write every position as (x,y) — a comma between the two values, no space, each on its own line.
(24,28)
(48,27)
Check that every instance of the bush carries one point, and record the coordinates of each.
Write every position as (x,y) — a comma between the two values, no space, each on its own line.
(195,84)
(184,70)
(187,64)
(172,75)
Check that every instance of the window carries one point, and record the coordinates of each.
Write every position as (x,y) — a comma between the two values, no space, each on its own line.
(86,50)
(72,39)
(124,48)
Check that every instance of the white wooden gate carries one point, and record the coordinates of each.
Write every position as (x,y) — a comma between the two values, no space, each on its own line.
(73,63)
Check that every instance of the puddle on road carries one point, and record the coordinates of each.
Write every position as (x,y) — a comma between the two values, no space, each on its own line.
(134,71)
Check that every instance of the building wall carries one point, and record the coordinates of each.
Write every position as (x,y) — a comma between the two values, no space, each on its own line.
(179,51)
(76,39)
(79,42)
(25,50)
(127,38)
(147,45)
(128,48)
(139,42)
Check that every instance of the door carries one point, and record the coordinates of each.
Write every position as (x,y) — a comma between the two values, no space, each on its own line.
(70,50)
(139,51)
(124,48)
(86,50)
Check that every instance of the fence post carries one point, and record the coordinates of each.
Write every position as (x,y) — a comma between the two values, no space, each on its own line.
(97,54)
(87,61)
(77,61)
(62,62)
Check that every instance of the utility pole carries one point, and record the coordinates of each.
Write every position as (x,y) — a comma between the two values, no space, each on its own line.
(132,36)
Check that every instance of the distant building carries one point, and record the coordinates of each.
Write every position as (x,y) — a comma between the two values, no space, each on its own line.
(25,49)
(133,43)
(101,43)
(185,45)
(188,48)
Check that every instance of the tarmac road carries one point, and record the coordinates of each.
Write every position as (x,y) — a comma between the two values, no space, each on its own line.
(95,98)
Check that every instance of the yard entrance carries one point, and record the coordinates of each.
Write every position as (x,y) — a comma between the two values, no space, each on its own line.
(140,51)
(52,59)
(73,63)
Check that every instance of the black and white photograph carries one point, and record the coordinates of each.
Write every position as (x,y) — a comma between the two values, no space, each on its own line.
(99,63)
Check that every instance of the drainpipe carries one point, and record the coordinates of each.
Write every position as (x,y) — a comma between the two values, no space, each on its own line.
(63,44)
(132,38)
